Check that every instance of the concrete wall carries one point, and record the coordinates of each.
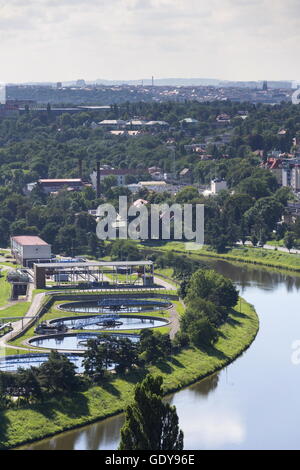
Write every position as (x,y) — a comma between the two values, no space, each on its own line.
(24,252)
(37,251)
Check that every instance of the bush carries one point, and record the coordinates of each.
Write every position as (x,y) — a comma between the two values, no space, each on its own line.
(202,333)
(181,339)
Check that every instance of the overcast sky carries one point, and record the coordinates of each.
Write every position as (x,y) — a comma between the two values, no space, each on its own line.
(59,40)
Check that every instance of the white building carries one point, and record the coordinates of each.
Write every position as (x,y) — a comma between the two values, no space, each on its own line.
(156,186)
(112,124)
(135,124)
(27,249)
(295,178)
(217,185)
(120,175)
(49,186)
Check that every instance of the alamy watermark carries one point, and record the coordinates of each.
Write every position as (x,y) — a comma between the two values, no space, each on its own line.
(154,222)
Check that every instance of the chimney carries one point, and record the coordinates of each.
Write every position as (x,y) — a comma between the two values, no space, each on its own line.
(98,180)
(80,168)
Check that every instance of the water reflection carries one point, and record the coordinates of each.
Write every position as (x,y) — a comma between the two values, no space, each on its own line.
(206,386)
(74,342)
(247,275)
(93,437)
(115,305)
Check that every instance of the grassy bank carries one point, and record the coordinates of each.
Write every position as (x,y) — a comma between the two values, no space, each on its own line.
(259,256)
(30,423)
(5,289)
(17,310)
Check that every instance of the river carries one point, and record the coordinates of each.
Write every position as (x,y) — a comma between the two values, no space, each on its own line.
(251,404)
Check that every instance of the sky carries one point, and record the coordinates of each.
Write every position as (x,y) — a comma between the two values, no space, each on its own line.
(61,40)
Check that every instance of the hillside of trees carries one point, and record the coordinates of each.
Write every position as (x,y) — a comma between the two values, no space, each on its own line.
(44,146)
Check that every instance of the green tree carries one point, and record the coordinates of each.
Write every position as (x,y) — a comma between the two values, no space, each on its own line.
(289,240)
(153,346)
(150,424)
(202,333)
(58,374)
(94,360)
(214,287)
(124,355)
(27,380)
(124,250)
(264,215)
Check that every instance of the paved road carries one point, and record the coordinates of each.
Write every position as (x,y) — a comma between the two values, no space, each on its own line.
(272,247)
(165,284)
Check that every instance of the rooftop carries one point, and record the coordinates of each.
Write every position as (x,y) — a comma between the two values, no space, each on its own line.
(112,121)
(93,263)
(62,181)
(29,240)
(152,183)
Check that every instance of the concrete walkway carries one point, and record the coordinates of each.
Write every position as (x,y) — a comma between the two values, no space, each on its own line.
(165,284)
(20,325)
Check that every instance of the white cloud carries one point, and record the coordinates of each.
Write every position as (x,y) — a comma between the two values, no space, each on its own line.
(65,39)
(218,429)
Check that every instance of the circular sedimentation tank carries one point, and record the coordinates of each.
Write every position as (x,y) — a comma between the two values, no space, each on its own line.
(13,362)
(110,322)
(115,305)
(74,341)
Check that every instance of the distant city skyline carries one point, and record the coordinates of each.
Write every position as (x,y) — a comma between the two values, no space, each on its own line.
(235,40)
(158,81)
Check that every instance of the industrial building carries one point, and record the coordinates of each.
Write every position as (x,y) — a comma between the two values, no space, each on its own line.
(120,174)
(29,249)
(55,185)
(94,273)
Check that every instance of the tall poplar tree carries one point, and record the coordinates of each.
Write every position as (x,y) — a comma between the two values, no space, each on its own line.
(150,424)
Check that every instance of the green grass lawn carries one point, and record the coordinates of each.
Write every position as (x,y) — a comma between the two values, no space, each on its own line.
(5,289)
(168,272)
(17,310)
(275,243)
(123,278)
(33,422)
(10,264)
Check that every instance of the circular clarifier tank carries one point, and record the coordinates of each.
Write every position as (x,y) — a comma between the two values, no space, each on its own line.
(110,322)
(25,361)
(73,342)
(115,305)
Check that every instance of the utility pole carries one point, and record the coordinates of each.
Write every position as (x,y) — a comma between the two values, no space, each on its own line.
(173,156)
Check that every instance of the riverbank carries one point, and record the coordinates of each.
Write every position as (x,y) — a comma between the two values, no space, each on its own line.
(29,423)
(257,256)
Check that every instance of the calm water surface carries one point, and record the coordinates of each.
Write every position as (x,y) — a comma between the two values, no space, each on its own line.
(254,402)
